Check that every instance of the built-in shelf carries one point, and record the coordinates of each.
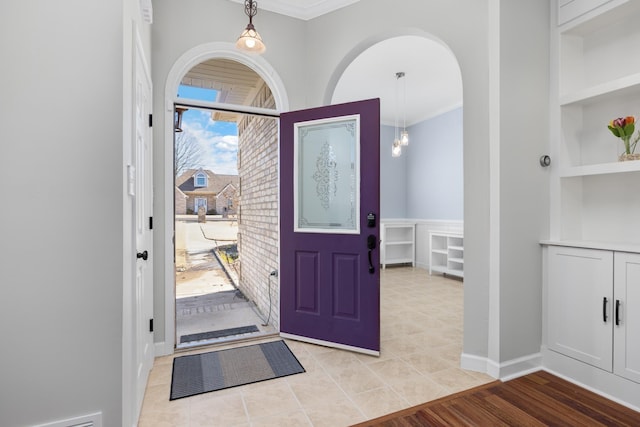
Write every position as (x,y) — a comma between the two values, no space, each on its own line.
(397,243)
(593,195)
(603,91)
(446,253)
(600,169)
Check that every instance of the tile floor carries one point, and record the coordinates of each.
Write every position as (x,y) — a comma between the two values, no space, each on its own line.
(421,340)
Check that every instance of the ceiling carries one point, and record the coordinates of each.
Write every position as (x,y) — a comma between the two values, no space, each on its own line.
(301,9)
(432,77)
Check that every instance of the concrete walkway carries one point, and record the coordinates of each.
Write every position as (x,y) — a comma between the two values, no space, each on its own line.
(207,298)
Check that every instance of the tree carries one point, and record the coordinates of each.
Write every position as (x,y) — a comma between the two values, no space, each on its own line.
(188,154)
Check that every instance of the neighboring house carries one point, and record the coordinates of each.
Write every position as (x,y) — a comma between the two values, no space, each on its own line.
(180,201)
(202,187)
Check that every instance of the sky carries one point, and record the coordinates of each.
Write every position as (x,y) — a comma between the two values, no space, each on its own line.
(218,140)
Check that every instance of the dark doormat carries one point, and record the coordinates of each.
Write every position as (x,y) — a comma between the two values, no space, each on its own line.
(218,334)
(217,370)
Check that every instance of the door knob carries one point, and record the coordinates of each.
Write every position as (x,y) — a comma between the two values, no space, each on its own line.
(144,255)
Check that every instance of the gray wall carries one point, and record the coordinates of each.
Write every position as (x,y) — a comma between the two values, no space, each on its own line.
(63,76)
(426,181)
(182,25)
(393,178)
(309,59)
(524,185)
(65,67)
(435,169)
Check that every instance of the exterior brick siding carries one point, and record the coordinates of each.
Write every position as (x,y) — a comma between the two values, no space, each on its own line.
(258,214)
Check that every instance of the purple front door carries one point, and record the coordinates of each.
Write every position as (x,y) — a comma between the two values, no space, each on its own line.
(329,225)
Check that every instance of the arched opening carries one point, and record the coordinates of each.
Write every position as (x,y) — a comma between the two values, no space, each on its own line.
(421,191)
(249,94)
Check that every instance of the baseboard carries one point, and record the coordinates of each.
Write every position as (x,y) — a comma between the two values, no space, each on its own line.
(474,363)
(160,349)
(91,420)
(521,366)
(593,389)
(504,371)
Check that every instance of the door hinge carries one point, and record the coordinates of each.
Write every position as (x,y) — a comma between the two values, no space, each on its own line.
(150,223)
(150,325)
(150,120)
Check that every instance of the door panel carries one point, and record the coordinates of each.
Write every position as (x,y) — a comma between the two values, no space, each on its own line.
(626,313)
(143,304)
(580,301)
(329,183)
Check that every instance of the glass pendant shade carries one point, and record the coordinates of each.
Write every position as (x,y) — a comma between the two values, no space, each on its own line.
(404,138)
(250,41)
(396,150)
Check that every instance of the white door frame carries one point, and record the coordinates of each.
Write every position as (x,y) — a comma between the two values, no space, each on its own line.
(137,65)
(187,61)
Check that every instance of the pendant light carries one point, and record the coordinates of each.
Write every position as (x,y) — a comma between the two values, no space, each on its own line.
(404,135)
(250,41)
(396,148)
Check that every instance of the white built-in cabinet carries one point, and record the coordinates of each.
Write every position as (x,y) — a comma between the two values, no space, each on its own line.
(593,308)
(595,78)
(397,243)
(591,311)
(446,253)
(626,311)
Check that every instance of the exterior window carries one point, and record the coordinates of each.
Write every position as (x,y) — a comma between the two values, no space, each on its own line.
(201,180)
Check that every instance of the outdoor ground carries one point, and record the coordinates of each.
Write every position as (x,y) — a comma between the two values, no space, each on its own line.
(206,297)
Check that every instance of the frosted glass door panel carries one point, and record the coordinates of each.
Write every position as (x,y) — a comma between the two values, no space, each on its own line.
(327,176)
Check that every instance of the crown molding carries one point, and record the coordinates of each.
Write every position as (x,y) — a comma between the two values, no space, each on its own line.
(299,9)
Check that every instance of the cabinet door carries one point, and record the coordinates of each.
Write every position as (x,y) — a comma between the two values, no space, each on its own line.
(579,301)
(626,328)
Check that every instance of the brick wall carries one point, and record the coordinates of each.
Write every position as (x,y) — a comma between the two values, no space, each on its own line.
(258,212)
(180,202)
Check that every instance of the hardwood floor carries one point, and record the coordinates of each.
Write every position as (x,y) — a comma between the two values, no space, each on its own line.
(538,399)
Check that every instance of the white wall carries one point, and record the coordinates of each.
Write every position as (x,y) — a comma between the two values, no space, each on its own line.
(62,220)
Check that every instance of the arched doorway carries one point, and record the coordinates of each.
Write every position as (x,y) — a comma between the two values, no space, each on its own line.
(423,187)
(267,99)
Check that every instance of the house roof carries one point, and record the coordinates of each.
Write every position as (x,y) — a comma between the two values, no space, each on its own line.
(216,183)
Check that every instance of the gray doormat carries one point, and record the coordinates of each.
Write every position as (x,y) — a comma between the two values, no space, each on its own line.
(217,370)
(218,334)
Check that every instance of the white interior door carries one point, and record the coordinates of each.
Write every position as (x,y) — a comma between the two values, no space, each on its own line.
(142,192)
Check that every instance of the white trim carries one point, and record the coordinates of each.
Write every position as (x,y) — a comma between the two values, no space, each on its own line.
(592,389)
(521,366)
(161,349)
(296,149)
(504,371)
(305,10)
(329,344)
(474,363)
(93,420)
(195,103)
(183,64)
(493,326)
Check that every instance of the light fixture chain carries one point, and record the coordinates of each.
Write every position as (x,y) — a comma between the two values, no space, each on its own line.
(250,8)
